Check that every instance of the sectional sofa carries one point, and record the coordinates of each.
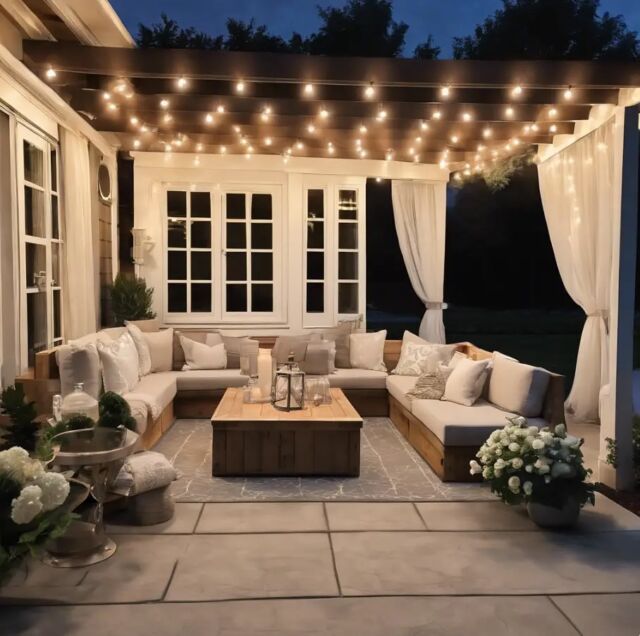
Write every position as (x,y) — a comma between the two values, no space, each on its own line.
(445,434)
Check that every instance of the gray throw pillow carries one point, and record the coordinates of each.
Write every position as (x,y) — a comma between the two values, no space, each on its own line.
(79,364)
(430,385)
(319,359)
(287,345)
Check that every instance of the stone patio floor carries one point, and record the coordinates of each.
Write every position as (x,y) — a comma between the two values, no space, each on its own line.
(235,569)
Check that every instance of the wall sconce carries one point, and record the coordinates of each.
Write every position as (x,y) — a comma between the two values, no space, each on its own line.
(141,244)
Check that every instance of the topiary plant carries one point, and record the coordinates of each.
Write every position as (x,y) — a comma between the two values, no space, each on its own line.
(22,429)
(131,299)
(115,411)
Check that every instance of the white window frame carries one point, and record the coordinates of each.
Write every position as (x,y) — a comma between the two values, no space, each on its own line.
(25,134)
(219,315)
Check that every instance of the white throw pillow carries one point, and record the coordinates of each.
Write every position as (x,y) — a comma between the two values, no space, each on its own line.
(445,352)
(144,355)
(516,387)
(160,345)
(79,363)
(416,359)
(120,366)
(366,350)
(464,385)
(198,355)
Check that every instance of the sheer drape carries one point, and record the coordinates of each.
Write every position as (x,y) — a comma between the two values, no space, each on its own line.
(79,284)
(578,195)
(419,210)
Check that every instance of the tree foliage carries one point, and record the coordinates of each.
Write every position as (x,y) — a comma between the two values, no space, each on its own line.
(549,30)
(359,28)
(131,299)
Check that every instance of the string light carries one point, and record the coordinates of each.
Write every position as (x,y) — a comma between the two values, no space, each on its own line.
(299,145)
(412,151)
(455,139)
(568,94)
(112,107)
(144,129)
(370,91)
(266,113)
(311,129)
(363,129)
(388,156)
(220,109)
(436,114)
(466,117)
(330,148)
(50,74)
(424,125)
(516,91)
(240,86)
(182,83)
(106,96)
(136,143)
(223,150)
(199,147)
(418,140)
(553,128)
(324,113)
(487,132)
(553,112)
(208,118)
(268,141)
(509,112)
(382,115)
(362,153)
(237,130)
(445,91)
(167,118)
(443,164)
(309,89)
(164,103)
(534,127)
(134,120)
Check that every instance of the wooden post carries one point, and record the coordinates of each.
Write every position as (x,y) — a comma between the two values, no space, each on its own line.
(616,405)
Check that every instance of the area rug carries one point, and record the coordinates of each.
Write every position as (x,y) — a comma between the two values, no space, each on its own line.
(390,470)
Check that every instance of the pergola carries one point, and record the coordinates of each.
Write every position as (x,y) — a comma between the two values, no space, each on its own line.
(460,115)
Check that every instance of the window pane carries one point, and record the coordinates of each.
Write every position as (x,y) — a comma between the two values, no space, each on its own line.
(33,164)
(201,205)
(201,297)
(261,206)
(236,298)
(57,321)
(261,297)
(177,299)
(177,232)
(315,265)
(56,279)
(55,222)
(348,236)
(36,266)
(315,204)
(348,265)
(177,265)
(315,234)
(236,235)
(236,206)
(261,236)
(347,205)
(262,266)
(201,234)
(315,298)
(54,170)
(33,212)
(36,324)
(176,203)
(201,265)
(348,298)
(236,266)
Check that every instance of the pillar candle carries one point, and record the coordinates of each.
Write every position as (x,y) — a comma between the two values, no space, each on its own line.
(265,367)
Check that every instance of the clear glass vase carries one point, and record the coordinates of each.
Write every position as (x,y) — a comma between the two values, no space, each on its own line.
(78,402)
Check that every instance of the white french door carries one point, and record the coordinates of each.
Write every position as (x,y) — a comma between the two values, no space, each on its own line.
(40,244)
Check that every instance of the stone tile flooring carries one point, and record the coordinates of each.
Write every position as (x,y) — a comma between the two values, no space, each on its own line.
(401,569)
(390,470)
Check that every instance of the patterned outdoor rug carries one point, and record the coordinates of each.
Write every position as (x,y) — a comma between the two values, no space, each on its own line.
(390,470)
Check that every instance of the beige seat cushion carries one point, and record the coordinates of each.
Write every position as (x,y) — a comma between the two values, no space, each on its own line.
(457,425)
(156,390)
(358,379)
(209,379)
(399,385)
(139,412)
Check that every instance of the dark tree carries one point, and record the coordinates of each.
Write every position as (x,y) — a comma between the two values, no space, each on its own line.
(246,36)
(167,34)
(427,50)
(551,30)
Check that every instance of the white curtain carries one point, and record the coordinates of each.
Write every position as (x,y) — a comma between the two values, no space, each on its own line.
(419,210)
(578,195)
(79,290)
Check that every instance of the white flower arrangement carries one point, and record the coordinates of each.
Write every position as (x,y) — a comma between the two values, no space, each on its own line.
(524,463)
(30,506)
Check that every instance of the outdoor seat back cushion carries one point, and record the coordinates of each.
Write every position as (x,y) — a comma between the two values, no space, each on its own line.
(233,346)
(457,425)
(209,379)
(358,379)
(398,387)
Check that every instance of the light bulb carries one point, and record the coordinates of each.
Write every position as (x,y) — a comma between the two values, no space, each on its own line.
(568,94)
(240,86)
(236,129)
(268,141)
(309,89)
(466,117)
(182,83)
(455,139)
(509,112)
(106,96)
(370,91)
(516,91)
(424,125)
(412,151)
(112,107)
(50,74)
(330,149)
(418,140)
(167,118)
(199,147)
(382,115)
(223,150)
(144,129)
(164,103)
(363,129)
(534,127)
(553,128)
(443,164)
(299,145)
(388,155)
(445,91)
(487,132)
(311,129)
(553,112)
(136,143)
(220,109)
(436,114)
(363,153)
(134,120)
(208,118)
(324,113)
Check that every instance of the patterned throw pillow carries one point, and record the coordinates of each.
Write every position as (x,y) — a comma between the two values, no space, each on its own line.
(430,385)
(416,359)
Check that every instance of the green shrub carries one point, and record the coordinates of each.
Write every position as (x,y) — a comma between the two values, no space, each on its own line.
(115,411)
(635,441)
(22,429)
(131,299)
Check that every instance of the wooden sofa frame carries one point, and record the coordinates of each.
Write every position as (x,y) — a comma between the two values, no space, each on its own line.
(450,463)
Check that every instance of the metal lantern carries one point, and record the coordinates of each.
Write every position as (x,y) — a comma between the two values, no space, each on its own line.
(288,387)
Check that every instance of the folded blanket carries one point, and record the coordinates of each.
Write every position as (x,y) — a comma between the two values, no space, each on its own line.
(143,472)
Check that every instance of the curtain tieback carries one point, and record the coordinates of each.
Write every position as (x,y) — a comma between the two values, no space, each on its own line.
(600,313)
(433,305)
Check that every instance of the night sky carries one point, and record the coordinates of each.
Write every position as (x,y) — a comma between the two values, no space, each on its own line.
(443,19)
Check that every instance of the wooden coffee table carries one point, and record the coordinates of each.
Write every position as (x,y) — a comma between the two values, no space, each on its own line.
(256,439)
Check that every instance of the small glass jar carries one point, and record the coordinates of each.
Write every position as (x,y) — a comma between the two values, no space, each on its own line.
(79,403)
(324,389)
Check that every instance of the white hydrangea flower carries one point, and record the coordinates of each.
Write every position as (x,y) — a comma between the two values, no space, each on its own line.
(544,469)
(529,468)
(514,483)
(55,489)
(514,447)
(527,487)
(476,469)
(500,464)
(561,430)
(537,444)
(27,505)
(517,462)
(487,473)
(12,461)
(519,421)
(32,469)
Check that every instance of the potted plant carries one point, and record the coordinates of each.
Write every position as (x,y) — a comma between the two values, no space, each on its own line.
(31,507)
(542,468)
(131,299)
